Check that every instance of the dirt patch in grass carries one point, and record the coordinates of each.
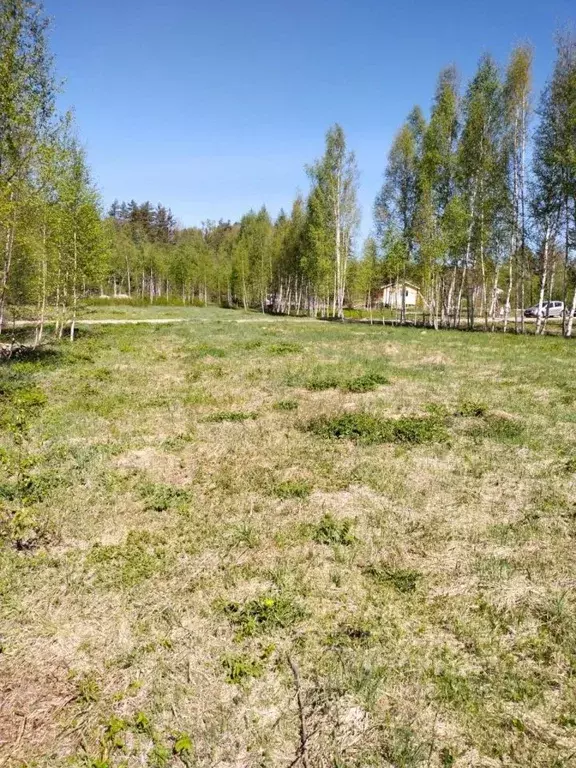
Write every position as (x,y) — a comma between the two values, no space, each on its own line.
(34,702)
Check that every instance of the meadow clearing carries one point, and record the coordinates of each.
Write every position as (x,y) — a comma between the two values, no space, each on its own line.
(247,541)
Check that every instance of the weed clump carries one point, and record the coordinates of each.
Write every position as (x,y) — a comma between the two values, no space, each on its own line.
(471,408)
(253,344)
(365,383)
(141,557)
(159,497)
(404,580)
(321,382)
(293,489)
(332,531)
(497,427)
(285,405)
(285,348)
(240,668)
(206,350)
(264,614)
(231,416)
(367,428)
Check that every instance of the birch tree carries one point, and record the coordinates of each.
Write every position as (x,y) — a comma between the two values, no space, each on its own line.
(517,88)
(27,93)
(334,201)
(396,204)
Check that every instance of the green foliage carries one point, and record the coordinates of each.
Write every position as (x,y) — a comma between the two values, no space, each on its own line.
(365,383)
(471,408)
(332,531)
(141,557)
(285,405)
(232,416)
(498,427)
(367,428)
(184,748)
(239,669)
(88,689)
(293,489)
(159,497)
(321,381)
(285,348)
(404,580)
(264,614)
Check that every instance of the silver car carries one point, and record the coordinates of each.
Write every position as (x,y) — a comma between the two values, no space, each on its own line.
(549,309)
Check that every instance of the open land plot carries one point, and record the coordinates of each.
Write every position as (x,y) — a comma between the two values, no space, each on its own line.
(274,543)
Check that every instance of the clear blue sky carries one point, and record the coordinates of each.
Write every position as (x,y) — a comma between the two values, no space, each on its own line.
(214,106)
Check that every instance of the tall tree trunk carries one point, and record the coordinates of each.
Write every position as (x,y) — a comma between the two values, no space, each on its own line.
(543,278)
(44,280)
(8,252)
(74,286)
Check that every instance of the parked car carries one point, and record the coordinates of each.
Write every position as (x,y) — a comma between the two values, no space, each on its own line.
(549,309)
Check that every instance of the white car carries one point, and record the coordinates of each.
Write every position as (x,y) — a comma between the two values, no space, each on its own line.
(549,309)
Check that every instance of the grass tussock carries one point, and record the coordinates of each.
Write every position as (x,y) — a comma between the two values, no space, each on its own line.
(231,416)
(332,531)
(263,615)
(368,429)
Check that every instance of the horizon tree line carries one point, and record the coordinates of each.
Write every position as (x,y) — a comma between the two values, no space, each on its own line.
(477,208)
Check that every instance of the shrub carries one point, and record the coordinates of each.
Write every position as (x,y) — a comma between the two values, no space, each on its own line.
(331,531)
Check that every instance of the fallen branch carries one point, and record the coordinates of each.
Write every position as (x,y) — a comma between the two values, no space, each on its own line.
(303,752)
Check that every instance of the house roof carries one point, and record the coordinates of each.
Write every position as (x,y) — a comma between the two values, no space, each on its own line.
(398,284)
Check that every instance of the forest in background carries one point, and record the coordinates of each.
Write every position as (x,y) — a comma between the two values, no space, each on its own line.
(477,208)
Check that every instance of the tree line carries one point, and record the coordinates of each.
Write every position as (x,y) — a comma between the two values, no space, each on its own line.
(477,208)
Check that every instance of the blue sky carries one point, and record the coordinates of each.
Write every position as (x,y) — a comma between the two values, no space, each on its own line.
(214,107)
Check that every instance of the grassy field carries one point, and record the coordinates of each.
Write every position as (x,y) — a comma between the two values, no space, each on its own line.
(281,543)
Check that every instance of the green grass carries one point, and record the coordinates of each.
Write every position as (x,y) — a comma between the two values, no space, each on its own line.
(190,512)
(367,428)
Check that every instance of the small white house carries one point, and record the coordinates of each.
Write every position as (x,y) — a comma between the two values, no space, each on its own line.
(392,294)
